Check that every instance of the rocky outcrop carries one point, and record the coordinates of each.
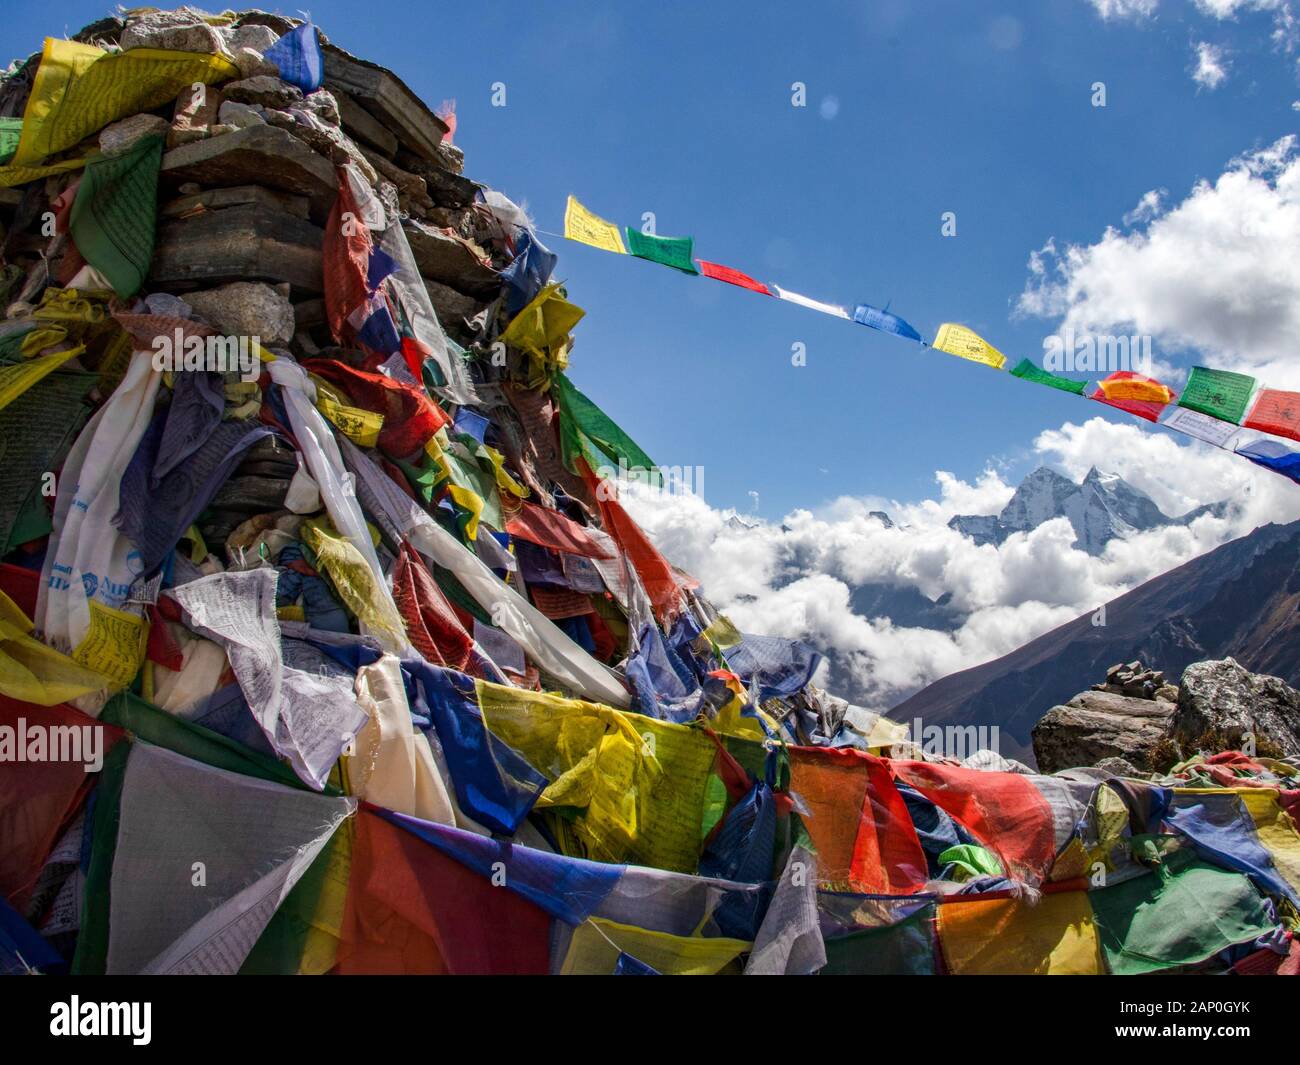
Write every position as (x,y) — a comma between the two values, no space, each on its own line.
(1098,725)
(1136,718)
(1223,697)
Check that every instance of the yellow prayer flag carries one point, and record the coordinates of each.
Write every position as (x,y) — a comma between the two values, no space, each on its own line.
(113,645)
(597,944)
(80,89)
(33,672)
(994,937)
(17,379)
(967,344)
(587,228)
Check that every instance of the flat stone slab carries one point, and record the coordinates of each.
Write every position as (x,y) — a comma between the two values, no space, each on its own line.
(451,260)
(387,98)
(259,155)
(251,242)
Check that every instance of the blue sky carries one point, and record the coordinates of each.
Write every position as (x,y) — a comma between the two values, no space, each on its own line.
(685,110)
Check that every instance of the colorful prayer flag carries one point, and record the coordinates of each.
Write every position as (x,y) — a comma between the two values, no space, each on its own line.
(299,58)
(1201,426)
(967,344)
(731,277)
(811,304)
(1275,412)
(667,251)
(587,228)
(865,314)
(1027,371)
(1124,384)
(1219,393)
(1273,456)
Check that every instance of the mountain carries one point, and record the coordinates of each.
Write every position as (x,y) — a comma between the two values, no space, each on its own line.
(1241,600)
(1100,508)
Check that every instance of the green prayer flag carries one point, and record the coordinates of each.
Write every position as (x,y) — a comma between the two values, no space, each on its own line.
(115,214)
(1184,912)
(36,432)
(1027,371)
(902,949)
(1219,393)
(581,419)
(11,129)
(91,958)
(677,252)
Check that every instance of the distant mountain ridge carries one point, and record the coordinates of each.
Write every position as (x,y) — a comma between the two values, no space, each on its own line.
(1100,508)
(1241,600)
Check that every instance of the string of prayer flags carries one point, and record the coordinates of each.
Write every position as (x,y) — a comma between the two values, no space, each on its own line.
(1219,393)
(587,228)
(811,304)
(967,344)
(731,277)
(1275,412)
(865,314)
(1027,371)
(676,252)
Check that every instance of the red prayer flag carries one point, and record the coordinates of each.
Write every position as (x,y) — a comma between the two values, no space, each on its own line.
(1276,412)
(1143,408)
(731,277)
(549,528)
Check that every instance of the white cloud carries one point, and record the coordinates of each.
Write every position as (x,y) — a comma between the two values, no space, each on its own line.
(1211,67)
(1125,9)
(796,577)
(1216,276)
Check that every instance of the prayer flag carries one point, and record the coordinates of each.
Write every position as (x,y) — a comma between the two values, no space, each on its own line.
(1218,393)
(967,344)
(811,304)
(1275,412)
(587,228)
(865,314)
(731,277)
(1027,371)
(667,251)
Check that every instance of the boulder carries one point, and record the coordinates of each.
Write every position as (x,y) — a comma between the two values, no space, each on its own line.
(265,90)
(173,31)
(119,137)
(1224,697)
(246,308)
(1096,725)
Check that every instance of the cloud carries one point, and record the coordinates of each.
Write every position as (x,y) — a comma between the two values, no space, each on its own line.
(1215,277)
(796,577)
(1211,67)
(1119,10)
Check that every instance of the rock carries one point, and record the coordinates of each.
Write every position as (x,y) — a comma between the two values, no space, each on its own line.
(1168,692)
(260,155)
(253,64)
(1121,767)
(452,260)
(119,137)
(1097,725)
(1222,696)
(248,309)
(387,98)
(323,104)
(195,113)
(174,31)
(253,240)
(241,116)
(254,37)
(264,89)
